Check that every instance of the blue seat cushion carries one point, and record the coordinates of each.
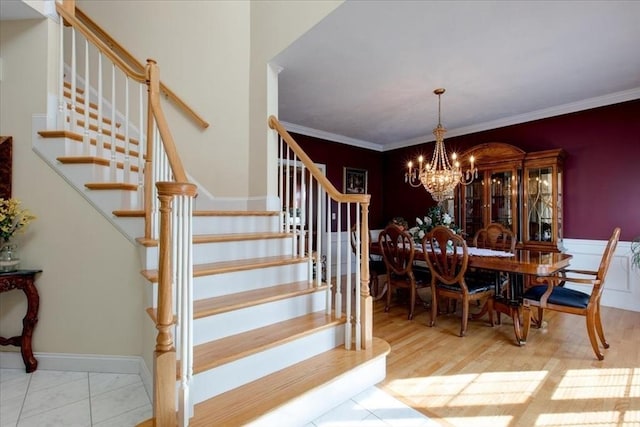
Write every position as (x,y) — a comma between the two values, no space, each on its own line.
(559,296)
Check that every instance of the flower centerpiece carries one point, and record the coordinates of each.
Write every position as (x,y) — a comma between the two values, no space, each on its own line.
(435,216)
(13,219)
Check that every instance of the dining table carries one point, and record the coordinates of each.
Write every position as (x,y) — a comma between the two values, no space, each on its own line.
(519,265)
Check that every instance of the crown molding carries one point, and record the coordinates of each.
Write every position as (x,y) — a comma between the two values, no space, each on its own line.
(303,130)
(587,104)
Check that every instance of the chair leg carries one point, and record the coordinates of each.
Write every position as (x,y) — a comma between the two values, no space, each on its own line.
(490,308)
(412,300)
(434,306)
(389,291)
(526,320)
(373,284)
(591,330)
(599,328)
(465,317)
(540,317)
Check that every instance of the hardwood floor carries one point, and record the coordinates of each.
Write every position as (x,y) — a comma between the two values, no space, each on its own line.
(484,379)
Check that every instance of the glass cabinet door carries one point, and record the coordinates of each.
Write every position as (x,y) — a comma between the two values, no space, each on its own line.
(502,189)
(543,193)
(474,203)
(540,204)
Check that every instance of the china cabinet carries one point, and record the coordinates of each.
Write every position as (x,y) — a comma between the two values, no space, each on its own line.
(522,191)
(542,200)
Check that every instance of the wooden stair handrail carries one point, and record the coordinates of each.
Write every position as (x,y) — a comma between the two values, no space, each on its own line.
(317,174)
(119,55)
(100,45)
(167,138)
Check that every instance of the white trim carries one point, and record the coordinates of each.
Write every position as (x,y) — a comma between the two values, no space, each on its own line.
(75,362)
(303,130)
(600,101)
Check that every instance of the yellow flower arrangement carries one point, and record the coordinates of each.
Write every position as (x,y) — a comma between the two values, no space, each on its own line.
(13,219)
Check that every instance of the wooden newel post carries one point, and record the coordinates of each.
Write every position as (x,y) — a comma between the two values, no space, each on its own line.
(164,368)
(164,399)
(366,307)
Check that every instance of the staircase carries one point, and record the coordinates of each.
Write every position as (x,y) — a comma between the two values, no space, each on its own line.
(266,346)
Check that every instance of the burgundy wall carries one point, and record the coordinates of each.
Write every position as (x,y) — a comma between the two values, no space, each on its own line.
(601,180)
(336,156)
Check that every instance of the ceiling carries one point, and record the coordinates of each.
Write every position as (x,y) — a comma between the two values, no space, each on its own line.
(365,74)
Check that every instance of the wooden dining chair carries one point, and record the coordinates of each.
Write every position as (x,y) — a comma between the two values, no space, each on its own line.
(495,236)
(500,238)
(377,267)
(398,253)
(550,296)
(447,256)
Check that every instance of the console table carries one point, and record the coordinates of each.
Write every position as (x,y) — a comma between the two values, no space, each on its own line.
(25,280)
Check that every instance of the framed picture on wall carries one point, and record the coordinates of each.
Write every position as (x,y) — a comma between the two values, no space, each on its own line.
(355,181)
(5,167)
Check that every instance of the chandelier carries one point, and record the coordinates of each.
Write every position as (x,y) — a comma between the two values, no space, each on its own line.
(439,177)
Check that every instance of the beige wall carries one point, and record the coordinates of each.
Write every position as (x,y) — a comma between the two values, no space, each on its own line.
(274,26)
(202,49)
(86,305)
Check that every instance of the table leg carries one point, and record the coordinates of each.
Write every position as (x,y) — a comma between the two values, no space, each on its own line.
(28,325)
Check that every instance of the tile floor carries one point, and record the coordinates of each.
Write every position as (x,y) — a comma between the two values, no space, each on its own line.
(87,399)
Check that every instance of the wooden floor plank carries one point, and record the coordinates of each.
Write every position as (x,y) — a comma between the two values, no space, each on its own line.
(484,379)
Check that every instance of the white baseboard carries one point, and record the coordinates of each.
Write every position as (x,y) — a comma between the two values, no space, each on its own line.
(78,362)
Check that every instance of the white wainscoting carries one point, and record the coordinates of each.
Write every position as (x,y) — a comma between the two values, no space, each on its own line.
(622,286)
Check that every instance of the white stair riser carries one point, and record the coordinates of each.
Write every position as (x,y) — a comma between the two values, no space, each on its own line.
(234,224)
(96,173)
(226,377)
(242,320)
(309,406)
(240,281)
(234,250)
(110,200)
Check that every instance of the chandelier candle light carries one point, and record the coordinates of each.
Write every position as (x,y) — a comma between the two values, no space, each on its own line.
(439,177)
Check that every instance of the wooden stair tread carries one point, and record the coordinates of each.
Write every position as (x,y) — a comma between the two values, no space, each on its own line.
(235,213)
(235,301)
(244,404)
(111,186)
(133,213)
(208,269)
(238,237)
(203,238)
(60,134)
(83,160)
(74,136)
(216,353)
